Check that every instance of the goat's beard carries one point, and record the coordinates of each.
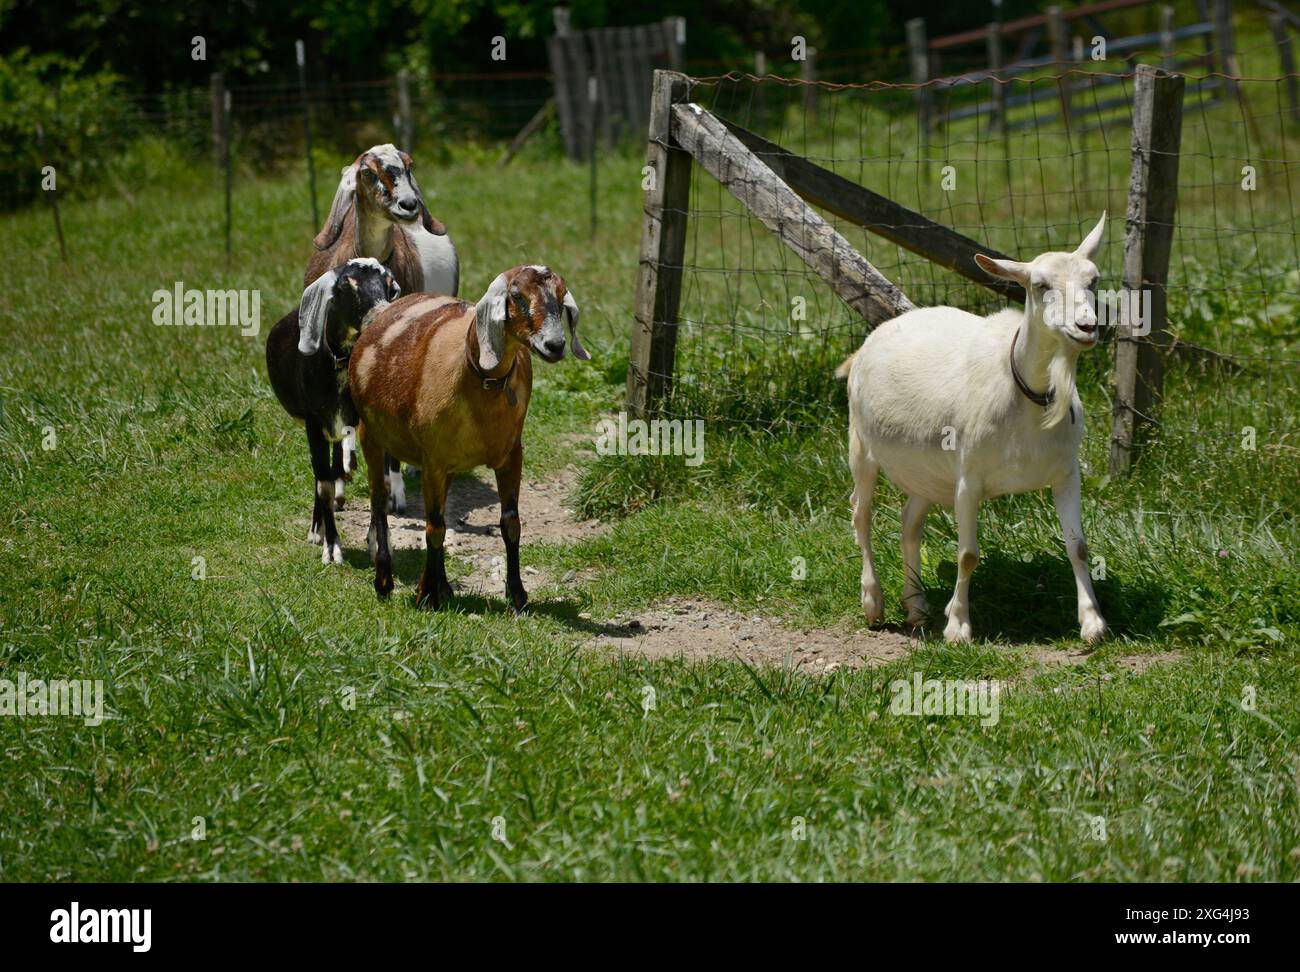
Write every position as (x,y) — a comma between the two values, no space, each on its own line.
(1062,377)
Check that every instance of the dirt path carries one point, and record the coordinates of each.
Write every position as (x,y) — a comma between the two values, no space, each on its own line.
(473,524)
(691,628)
(698,629)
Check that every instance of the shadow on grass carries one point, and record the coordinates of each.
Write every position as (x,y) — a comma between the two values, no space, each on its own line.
(408,565)
(1014,600)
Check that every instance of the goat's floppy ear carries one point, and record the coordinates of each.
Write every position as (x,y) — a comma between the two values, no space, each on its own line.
(431,224)
(344,197)
(490,324)
(314,310)
(1004,269)
(571,312)
(1092,242)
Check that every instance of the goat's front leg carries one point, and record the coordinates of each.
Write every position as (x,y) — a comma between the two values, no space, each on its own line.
(1066,495)
(966,506)
(508,477)
(377,536)
(433,588)
(323,513)
(865,473)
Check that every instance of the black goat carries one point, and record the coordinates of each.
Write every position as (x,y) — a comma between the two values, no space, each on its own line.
(307,360)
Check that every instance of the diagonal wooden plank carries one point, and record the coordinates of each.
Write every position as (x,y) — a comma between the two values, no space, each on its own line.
(794,222)
(878,213)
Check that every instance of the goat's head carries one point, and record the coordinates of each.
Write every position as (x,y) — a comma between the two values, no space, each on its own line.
(338,304)
(524,304)
(381,182)
(1060,289)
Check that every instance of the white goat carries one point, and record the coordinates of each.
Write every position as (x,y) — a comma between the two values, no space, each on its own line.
(957,408)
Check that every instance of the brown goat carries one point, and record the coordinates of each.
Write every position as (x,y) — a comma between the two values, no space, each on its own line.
(379,211)
(444,385)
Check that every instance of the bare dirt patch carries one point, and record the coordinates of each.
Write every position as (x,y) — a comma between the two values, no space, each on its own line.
(691,628)
(473,523)
(697,629)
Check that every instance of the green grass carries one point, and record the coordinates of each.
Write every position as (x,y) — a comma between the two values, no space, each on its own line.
(232,694)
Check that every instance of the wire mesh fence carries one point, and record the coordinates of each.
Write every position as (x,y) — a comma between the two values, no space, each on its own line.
(760,333)
(109,141)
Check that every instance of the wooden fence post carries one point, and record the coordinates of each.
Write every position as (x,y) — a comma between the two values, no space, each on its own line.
(1056,27)
(993,45)
(1287,57)
(405,121)
(1152,201)
(1167,37)
(567,102)
(52,195)
(1225,40)
(217,86)
(759,119)
(663,248)
(808,75)
(675,31)
(920,57)
(300,50)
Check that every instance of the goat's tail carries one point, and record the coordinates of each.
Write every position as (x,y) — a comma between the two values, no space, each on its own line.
(842,372)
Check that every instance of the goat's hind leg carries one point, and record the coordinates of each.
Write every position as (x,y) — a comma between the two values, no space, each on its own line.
(396,485)
(331,552)
(434,588)
(914,512)
(865,473)
(508,478)
(344,461)
(377,536)
(315,534)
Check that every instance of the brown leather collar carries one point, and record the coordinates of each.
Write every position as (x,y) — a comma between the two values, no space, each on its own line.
(489,383)
(1045,398)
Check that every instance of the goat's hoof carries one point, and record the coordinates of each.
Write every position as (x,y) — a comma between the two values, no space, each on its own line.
(518,601)
(1093,630)
(331,553)
(314,536)
(918,610)
(957,632)
(427,596)
(873,606)
(383,585)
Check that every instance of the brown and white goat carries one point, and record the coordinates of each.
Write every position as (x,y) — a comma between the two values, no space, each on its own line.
(444,384)
(379,212)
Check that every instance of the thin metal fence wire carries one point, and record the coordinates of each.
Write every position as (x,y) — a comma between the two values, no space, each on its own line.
(760,333)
